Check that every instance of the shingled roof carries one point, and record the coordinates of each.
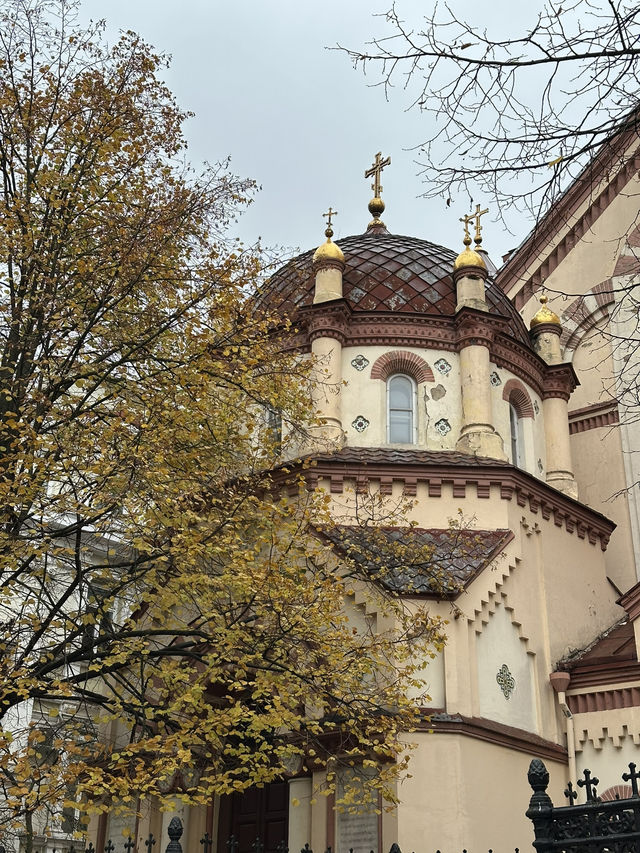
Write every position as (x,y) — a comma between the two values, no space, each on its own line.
(419,561)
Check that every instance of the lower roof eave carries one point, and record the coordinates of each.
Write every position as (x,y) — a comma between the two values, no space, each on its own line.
(437,468)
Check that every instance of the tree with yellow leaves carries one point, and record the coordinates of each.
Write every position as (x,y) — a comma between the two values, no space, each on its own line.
(169,619)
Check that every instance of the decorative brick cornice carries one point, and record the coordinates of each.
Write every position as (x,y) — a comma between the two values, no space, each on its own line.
(328,320)
(631,602)
(328,263)
(495,733)
(400,361)
(464,475)
(515,392)
(584,701)
(424,331)
(475,327)
(545,328)
(560,381)
(592,417)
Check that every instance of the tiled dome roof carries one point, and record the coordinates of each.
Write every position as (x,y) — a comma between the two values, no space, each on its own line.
(386,273)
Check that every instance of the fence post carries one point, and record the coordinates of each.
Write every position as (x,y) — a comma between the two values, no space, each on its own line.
(175,831)
(540,806)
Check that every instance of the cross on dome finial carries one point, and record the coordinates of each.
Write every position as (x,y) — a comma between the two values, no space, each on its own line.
(376,170)
(376,205)
(478,235)
(467,219)
(329,230)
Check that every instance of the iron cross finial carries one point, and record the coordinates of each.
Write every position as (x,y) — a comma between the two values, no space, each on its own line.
(632,777)
(589,784)
(376,169)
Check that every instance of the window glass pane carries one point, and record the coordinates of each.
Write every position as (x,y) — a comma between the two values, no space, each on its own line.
(515,449)
(400,393)
(400,401)
(400,427)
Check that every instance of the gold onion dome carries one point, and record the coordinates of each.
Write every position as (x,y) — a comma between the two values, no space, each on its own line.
(469,258)
(329,251)
(544,315)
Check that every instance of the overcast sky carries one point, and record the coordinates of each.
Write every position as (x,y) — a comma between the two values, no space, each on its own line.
(295,116)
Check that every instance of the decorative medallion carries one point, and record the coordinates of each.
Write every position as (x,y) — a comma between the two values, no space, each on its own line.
(359,362)
(360,423)
(443,366)
(443,426)
(506,681)
(495,379)
(536,407)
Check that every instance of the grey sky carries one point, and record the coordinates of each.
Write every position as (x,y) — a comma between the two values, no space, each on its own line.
(295,116)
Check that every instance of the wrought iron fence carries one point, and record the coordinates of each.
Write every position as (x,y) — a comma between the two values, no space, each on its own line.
(596,826)
(232,845)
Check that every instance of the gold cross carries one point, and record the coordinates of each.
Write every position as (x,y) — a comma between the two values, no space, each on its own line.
(478,238)
(329,214)
(375,170)
(467,218)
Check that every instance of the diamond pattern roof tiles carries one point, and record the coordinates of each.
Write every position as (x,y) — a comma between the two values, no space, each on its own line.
(387,273)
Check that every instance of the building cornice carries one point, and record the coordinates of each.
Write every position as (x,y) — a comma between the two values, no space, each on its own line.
(499,734)
(592,417)
(465,476)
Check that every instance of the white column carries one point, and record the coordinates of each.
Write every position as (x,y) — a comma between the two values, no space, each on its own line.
(299,814)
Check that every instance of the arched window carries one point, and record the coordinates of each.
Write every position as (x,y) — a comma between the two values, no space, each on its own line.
(516,437)
(401,407)
(520,410)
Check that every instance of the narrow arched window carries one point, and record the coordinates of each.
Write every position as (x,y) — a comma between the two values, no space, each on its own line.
(516,437)
(401,421)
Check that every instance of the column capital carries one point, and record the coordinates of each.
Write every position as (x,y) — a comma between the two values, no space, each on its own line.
(559,380)
(328,320)
(477,328)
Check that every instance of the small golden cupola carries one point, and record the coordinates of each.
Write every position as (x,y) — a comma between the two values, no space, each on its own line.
(328,265)
(468,257)
(469,268)
(545,333)
(544,315)
(328,252)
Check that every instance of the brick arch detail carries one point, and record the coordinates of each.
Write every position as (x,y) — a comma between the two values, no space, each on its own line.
(617,792)
(401,361)
(515,392)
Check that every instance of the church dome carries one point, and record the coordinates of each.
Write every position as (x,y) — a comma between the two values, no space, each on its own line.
(386,273)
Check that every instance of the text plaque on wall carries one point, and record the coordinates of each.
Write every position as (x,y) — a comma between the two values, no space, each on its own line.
(359,831)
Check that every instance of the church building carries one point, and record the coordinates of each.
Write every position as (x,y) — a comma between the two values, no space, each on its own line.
(501,397)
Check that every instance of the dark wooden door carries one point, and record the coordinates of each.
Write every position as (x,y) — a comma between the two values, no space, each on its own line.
(258,813)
